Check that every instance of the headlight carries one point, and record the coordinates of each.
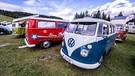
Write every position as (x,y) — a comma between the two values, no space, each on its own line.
(89,46)
(84,53)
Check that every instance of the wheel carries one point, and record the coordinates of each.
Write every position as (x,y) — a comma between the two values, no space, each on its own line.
(45,44)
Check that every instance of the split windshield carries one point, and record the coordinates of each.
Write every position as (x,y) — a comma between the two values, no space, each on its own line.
(83,28)
(120,28)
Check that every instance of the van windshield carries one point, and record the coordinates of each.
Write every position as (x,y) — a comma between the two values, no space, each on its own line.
(83,28)
(120,28)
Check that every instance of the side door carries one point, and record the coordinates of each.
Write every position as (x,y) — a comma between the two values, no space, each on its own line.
(107,36)
(110,36)
(101,41)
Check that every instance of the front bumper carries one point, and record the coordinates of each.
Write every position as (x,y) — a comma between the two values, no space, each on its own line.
(15,34)
(117,39)
(29,45)
(81,65)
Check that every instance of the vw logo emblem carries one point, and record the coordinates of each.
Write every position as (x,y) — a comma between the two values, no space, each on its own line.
(71,42)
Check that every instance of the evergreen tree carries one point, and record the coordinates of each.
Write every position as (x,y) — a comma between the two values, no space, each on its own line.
(22,14)
(94,16)
(98,14)
(81,15)
(76,16)
(108,19)
(120,14)
(86,13)
(104,16)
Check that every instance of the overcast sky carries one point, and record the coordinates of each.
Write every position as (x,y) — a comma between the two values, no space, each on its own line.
(66,9)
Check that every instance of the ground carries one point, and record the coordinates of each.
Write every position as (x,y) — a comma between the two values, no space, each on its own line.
(120,61)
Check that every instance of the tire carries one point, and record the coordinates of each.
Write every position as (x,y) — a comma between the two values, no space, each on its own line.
(45,44)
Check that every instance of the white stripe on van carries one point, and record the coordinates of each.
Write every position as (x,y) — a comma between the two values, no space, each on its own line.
(80,40)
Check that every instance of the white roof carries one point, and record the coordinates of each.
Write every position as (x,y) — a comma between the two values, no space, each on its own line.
(118,21)
(23,18)
(88,19)
(121,19)
(50,19)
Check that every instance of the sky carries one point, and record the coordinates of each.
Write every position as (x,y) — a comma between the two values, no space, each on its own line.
(66,9)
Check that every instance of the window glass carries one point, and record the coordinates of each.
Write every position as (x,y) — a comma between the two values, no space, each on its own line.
(110,29)
(120,27)
(62,25)
(13,25)
(105,29)
(113,28)
(43,24)
(71,28)
(100,29)
(86,28)
(79,29)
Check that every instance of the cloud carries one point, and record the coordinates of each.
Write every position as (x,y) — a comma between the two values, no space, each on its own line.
(114,8)
(11,7)
(43,8)
(65,13)
(33,3)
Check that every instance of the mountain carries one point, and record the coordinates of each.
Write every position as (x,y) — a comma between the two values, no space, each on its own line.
(115,7)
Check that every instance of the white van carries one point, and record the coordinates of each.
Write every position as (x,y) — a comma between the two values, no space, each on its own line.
(131,27)
(86,41)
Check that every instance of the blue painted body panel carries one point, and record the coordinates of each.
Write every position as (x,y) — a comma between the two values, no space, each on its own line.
(98,49)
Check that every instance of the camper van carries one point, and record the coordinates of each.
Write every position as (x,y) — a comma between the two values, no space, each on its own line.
(121,32)
(19,24)
(18,29)
(44,31)
(131,27)
(86,41)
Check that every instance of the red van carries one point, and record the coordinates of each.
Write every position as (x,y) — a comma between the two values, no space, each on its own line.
(44,31)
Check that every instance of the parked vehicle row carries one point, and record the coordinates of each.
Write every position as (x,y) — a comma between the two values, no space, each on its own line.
(85,40)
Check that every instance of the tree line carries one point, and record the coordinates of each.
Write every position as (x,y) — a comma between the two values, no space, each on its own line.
(96,15)
(16,14)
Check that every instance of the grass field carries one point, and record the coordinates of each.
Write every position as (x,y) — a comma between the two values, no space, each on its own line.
(5,18)
(120,61)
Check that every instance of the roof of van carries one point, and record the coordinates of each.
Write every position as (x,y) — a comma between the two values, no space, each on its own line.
(23,18)
(50,19)
(88,19)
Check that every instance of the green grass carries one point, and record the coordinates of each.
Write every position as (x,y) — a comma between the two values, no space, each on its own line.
(5,18)
(120,61)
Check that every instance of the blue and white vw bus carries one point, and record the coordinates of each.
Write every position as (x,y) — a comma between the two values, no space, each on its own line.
(86,41)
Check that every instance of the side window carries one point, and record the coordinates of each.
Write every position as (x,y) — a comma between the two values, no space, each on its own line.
(113,28)
(100,29)
(62,25)
(110,29)
(105,29)
(44,24)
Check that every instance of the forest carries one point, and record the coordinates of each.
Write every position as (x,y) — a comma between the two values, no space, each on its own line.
(16,14)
